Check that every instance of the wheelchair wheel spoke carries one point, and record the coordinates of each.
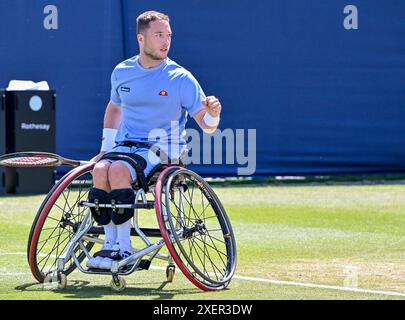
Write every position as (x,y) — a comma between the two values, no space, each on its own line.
(190,245)
(178,218)
(198,256)
(196,247)
(70,212)
(216,249)
(189,201)
(213,230)
(57,243)
(49,228)
(214,267)
(64,247)
(213,246)
(80,197)
(54,219)
(192,209)
(204,258)
(64,213)
(212,237)
(210,217)
(57,228)
(191,198)
(205,244)
(55,246)
(205,208)
(66,202)
(220,254)
(48,238)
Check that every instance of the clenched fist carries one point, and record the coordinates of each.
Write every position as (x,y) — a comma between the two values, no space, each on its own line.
(212,105)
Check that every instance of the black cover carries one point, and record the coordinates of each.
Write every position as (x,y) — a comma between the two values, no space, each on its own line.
(26,128)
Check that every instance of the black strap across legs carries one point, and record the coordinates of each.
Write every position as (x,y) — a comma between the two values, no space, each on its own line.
(135,160)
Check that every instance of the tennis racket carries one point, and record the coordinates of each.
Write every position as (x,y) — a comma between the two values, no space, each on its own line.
(37,160)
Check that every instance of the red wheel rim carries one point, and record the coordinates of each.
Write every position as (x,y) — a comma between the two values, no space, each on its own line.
(45,211)
(172,250)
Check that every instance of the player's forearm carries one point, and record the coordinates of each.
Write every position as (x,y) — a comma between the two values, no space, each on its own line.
(112,119)
(112,116)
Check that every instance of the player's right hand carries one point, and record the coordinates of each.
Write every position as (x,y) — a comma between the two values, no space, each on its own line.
(212,106)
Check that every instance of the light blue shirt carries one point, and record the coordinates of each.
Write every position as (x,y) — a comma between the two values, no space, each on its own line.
(155,103)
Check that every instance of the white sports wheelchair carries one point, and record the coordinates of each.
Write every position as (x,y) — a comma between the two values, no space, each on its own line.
(193,225)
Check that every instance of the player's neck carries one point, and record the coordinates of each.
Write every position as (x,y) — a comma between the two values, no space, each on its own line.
(148,63)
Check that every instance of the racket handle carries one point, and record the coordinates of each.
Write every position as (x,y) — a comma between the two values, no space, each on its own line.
(82,163)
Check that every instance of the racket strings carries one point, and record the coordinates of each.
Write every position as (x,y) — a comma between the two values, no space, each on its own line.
(29,161)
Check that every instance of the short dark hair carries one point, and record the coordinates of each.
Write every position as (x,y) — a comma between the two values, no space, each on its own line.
(143,20)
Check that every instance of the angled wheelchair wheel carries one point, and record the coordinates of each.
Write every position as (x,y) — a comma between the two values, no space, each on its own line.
(195,228)
(57,221)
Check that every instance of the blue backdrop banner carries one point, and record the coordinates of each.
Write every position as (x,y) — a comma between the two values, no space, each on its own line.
(320,84)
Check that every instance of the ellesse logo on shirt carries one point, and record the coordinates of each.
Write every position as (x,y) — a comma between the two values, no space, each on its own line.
(125,89)
(163,93)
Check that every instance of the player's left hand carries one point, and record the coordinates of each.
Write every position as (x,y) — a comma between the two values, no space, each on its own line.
(212,105)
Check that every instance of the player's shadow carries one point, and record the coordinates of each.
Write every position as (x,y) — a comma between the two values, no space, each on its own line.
(78,289)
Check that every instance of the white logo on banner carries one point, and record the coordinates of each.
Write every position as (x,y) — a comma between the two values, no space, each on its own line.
(351,21)
(51,20)
(35,103)
(236,143)
(35,126)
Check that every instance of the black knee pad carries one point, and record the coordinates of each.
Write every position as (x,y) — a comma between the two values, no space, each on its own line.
(121,196)
(100,215)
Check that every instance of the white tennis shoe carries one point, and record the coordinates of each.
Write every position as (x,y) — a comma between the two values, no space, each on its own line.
(100,262)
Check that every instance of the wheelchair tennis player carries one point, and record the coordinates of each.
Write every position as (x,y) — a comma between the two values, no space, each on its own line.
(148,92)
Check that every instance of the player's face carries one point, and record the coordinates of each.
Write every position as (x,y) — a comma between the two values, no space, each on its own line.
(157,39)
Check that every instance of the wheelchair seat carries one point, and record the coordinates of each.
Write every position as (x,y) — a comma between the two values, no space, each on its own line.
(152,177)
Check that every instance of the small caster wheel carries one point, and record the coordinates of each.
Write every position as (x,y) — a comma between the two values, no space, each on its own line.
(118,283)
(170,270)
(62,281)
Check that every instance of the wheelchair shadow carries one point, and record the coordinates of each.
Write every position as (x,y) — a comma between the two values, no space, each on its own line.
(79,289)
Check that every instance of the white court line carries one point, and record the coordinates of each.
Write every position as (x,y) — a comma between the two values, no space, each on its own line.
(309,285)
(320,286)
(279,282)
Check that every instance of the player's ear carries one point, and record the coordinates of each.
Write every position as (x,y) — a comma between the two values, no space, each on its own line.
(141,38)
